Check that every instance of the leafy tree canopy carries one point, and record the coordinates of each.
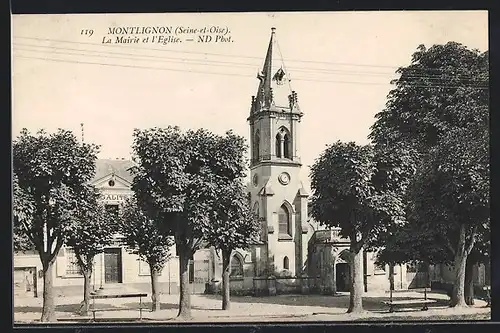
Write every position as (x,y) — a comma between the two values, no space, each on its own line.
(22,211)
(144,236)
(357,189)
(232,224)
(51,169)
(177,174)
(91,228)
(445,86)
(439,109)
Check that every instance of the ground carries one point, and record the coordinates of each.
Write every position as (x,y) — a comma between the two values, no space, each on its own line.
(207,308)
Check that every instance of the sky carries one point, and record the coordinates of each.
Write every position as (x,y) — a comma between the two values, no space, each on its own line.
(340,64)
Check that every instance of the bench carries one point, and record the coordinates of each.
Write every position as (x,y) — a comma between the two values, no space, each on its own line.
(95,296)
(393,304)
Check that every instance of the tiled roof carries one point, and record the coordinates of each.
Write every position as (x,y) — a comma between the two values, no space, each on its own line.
(120,167)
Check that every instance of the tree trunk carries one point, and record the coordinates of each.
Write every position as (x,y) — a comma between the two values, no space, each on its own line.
(155,291)
(469,282)
(356,290)
(391,276)
(87,274)
(184,297)
(49,307)
(457,296)
(226,302)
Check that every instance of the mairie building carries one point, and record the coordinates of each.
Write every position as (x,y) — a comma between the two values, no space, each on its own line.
(293,254)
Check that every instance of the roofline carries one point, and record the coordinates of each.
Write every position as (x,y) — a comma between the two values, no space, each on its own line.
(121,178)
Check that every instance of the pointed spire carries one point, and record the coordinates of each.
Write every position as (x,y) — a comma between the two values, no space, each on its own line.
(268,63)
(264,97)
(274,90)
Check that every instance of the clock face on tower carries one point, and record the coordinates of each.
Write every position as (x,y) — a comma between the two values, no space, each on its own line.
(284,178)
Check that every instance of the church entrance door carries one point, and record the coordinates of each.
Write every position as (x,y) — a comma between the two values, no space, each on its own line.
(113,265)
(342,276)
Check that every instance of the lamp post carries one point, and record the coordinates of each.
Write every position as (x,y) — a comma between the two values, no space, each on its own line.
(102,268)
(93,270)
(391,280)
(425,308)
(169,291)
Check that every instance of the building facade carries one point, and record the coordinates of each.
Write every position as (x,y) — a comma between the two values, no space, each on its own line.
(293,255)
(114,266)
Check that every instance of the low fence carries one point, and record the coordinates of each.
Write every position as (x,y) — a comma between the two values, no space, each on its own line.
(263,286)
(447,287)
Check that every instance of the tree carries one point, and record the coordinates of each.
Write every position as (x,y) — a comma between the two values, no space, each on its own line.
(51,169)
(480,254)
(439,107)
(175,181)
(451,194)
(22,211)
(232,226)
(145,238)
(91,229)
(446,86)
(416,242)
(359,199)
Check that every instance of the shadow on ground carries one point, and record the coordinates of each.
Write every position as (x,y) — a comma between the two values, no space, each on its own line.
(70,308)
(448,317)
(163,306)
(340,300)
(75,307)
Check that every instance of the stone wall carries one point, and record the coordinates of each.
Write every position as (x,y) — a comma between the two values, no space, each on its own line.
(327,251)
(443,274)
(265,286)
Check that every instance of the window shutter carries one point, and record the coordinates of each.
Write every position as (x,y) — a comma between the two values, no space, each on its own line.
(61,263)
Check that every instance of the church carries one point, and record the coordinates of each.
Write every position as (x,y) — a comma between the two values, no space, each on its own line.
(293,255)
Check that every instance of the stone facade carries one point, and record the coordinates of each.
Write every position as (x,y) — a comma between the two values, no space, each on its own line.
(115,265)
(327,262)
(292,256)
(442,276)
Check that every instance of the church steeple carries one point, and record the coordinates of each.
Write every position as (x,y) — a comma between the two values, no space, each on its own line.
(274,92)
(276,191)
(275,114)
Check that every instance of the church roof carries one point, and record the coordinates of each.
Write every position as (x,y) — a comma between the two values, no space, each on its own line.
(302,191)
(118,167)
(274,92)
(266,189)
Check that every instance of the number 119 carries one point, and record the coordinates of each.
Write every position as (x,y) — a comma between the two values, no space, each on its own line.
(87,32)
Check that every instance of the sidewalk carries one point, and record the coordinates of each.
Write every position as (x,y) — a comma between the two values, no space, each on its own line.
(207,308)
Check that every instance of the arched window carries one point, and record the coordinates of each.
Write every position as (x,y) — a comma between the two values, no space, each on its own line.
(236,266)
(283,143)
(278,145)
(284,227)
(255,210)
(286,147)
(286,263)
(256,145)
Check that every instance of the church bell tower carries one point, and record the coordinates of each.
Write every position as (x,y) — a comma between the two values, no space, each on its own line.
(277,193)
